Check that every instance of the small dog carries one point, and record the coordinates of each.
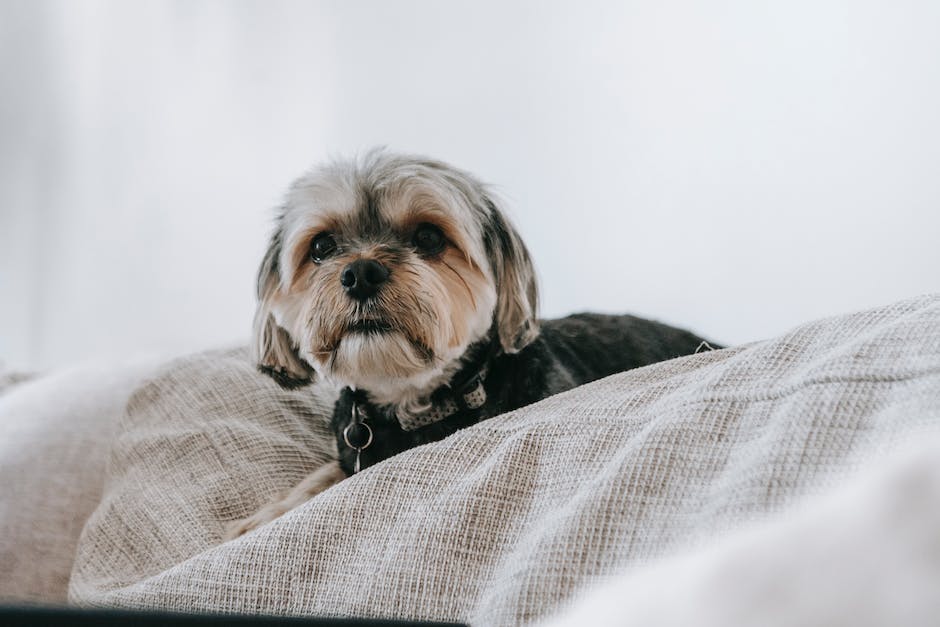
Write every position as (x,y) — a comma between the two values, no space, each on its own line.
(399,281)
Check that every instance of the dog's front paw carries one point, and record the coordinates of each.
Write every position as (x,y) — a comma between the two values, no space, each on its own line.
(266,514)
(325,476)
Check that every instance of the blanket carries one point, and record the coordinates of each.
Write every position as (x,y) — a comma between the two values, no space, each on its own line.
(508,521)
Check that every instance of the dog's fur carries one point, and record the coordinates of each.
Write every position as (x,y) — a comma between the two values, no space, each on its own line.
(439,320)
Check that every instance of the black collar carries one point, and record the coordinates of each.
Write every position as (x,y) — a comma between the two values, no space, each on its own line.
(466,390)
(449,400)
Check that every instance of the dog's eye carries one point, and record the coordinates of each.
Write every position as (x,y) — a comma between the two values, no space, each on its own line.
(323,246)
(428,239)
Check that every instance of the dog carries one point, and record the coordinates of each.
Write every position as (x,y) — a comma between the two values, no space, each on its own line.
(399,282)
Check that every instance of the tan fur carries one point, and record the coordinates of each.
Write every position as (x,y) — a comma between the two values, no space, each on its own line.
(463,283)
(324,477)
(437,307)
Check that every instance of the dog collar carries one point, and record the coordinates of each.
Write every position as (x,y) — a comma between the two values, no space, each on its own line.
(468,396)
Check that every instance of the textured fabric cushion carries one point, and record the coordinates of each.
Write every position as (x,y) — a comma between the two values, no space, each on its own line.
(55,435)
(502,522)
(866,554)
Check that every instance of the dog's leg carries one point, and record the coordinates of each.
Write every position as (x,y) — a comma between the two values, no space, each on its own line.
(318,481)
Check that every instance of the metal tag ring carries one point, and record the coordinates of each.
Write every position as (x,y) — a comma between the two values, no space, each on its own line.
(346,435)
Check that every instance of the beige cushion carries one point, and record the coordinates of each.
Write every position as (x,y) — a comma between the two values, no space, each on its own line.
(866,554)
(503,522)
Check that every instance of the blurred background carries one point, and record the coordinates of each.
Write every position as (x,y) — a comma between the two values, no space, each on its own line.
(735,167)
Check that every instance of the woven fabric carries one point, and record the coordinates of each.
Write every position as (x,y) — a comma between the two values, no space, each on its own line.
(55,435)
(864,554)
(502,522)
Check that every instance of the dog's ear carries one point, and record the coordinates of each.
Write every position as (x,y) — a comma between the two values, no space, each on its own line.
(272,347)
(516,287)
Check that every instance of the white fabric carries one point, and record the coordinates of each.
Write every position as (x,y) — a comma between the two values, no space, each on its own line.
(55,436)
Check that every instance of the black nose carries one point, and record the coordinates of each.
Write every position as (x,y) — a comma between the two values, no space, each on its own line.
(363,277)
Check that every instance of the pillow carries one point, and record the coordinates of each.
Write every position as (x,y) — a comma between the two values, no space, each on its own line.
(501,522)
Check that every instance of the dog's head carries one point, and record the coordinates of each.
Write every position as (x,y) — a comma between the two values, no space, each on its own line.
(383,271)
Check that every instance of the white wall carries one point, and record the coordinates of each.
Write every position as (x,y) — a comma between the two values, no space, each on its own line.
(736,167)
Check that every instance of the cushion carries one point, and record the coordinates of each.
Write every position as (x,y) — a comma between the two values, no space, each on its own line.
(501,523)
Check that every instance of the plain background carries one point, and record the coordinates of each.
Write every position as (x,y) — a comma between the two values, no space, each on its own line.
(735,167)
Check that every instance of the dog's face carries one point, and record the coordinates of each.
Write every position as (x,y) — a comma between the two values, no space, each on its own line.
(382,273)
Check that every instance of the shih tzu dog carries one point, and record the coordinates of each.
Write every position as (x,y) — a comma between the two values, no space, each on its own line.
(399,282)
